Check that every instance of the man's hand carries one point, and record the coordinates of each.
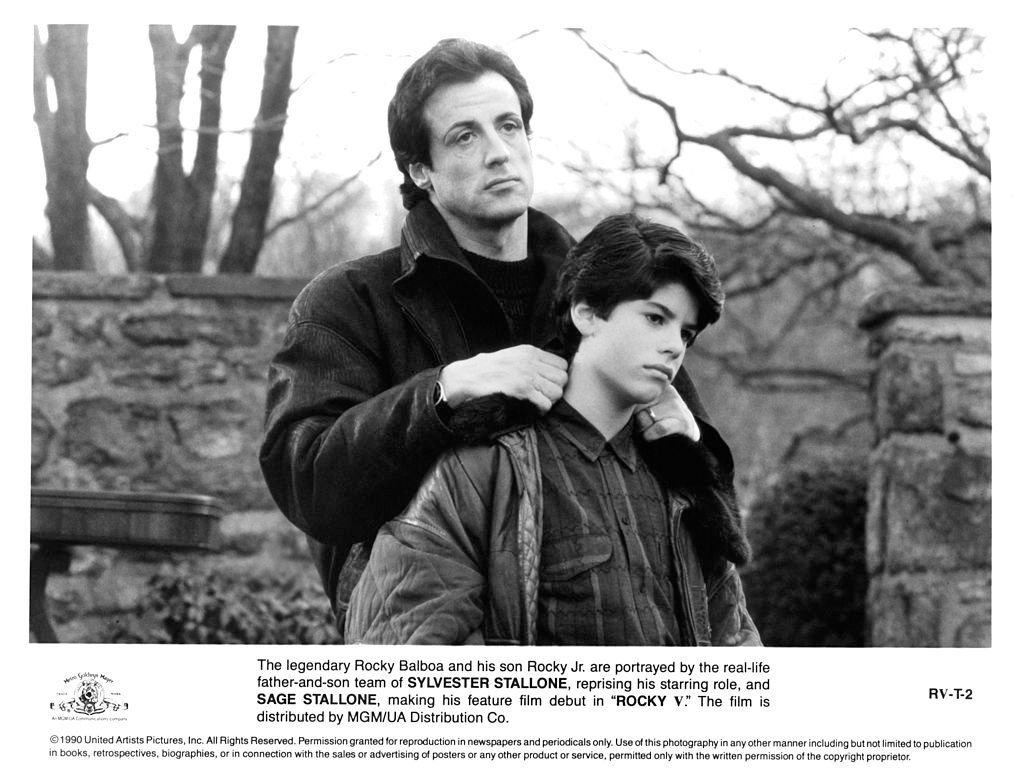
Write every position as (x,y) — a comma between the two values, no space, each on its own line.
(667,415)
(523,371)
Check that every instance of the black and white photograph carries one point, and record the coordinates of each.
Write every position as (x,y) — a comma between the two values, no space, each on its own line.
(430,385)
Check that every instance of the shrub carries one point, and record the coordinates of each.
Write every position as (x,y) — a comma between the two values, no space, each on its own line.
(808,582)
(186,606)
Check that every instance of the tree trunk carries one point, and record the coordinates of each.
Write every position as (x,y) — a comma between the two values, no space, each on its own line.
(202,181)
(167,206)
(180,204)
(248,225)
(65,141)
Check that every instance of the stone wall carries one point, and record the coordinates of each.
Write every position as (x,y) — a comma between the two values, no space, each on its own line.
(157,383)
(929,525)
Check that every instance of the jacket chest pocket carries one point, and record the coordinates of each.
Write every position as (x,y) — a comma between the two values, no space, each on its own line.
(568,565)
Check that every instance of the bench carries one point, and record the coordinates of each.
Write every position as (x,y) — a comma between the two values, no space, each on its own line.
(156,521)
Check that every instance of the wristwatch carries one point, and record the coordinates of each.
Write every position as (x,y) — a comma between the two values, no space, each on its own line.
(441,405)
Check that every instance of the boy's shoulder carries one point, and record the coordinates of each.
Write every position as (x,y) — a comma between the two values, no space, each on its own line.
(510,449)
(500,467)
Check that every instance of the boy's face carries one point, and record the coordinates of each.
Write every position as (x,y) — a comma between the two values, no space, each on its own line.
(634,353)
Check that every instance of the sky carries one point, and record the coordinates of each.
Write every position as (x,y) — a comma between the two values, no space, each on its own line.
(345,70)
(344,78)
(347,62)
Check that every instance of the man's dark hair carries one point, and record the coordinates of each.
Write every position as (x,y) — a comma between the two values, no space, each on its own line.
(450,61)
(627,258)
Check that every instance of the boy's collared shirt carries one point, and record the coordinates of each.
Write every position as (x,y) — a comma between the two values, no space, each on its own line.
(607,573)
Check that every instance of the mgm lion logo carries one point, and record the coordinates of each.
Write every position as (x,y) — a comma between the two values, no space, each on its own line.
(89,696)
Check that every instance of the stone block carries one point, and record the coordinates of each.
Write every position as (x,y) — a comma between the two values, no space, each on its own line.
(973,386)
(42,322)
(937,505)
(251,366)
(235,287)
(42,436)
(967,616)
(196,372)
(909,393)
(178,328)
(64,473)
(212,451)
(213,430)
(102,433)
(54,366)
(935,330)
(903,613)
(88,324)
(90,285)
(155,367)
(925,301)
(972,364)
(931,610)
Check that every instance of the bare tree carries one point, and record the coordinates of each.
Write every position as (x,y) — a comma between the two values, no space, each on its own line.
(801,237)
(250,219)
(180,207)
(65,142)
(830,200)
(915,89)
(173,235)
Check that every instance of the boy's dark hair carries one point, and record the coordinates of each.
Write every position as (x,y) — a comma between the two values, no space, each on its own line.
(450,61)
(626,258)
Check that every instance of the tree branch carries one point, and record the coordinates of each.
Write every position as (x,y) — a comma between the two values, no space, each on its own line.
(318,203)
(126,229)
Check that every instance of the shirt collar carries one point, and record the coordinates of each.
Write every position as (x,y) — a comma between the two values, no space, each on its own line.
(571,425)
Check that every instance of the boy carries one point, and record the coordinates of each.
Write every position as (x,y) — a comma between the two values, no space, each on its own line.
(566,531)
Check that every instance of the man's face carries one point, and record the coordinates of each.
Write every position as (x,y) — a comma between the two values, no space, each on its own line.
(481,171)
(633,354)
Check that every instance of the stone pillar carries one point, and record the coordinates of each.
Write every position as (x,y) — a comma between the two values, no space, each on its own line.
(929,523)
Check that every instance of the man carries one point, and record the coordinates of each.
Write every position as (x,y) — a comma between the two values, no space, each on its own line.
(566,532)
(382,354)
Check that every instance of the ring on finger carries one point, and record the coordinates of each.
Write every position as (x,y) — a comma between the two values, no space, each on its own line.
(654,418)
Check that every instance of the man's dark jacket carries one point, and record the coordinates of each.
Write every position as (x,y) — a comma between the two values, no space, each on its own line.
(351,427)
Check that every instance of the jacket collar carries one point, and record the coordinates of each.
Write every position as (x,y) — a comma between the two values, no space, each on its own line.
(426,234)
